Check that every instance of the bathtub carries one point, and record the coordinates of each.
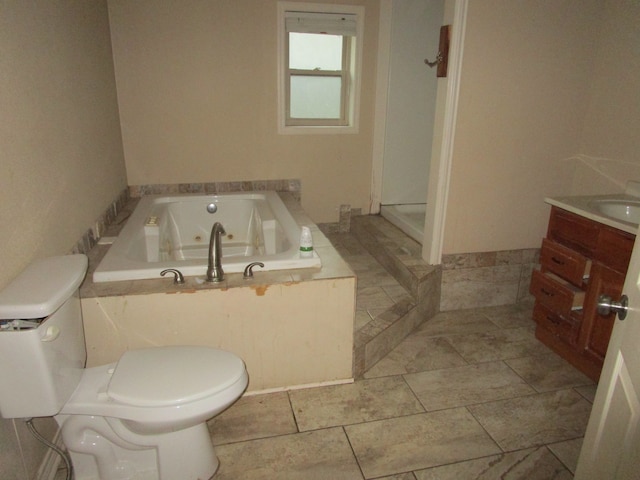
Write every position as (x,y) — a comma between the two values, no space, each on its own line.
(173,232)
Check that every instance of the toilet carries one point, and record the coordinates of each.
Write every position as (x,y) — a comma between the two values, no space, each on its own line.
(142,417)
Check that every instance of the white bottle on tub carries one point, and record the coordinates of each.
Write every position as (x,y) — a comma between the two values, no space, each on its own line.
(306,243)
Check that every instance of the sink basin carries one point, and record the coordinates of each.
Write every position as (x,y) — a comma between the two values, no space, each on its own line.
(624,210)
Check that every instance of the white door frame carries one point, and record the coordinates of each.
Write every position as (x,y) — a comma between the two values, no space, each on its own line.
(446,110)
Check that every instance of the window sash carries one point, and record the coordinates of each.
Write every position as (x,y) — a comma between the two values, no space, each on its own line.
(344,88)
(355,63)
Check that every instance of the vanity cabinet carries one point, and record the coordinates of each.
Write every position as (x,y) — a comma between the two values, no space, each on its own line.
(580,260)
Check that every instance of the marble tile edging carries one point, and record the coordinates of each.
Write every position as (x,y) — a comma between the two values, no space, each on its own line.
(484,279)
(91,236)
(293,186)
(490,259)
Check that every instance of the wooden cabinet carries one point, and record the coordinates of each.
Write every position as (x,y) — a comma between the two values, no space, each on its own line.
(580,260)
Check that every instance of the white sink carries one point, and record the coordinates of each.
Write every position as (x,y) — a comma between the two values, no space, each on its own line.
(621,209)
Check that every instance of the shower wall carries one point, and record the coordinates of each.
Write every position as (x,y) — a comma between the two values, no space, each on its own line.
(415,30)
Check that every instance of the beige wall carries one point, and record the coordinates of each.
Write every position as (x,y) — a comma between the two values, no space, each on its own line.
(523,96)
(536,105)
(197,93)
(610,142)
(61,160)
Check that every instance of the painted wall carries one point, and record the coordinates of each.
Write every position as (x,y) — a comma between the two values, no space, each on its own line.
(610,142)
(535,102)
(61,161)
(197,93)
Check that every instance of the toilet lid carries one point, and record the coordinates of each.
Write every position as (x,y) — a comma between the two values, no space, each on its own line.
(172,375)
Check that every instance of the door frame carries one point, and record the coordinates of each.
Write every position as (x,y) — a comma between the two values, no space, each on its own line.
(444,129)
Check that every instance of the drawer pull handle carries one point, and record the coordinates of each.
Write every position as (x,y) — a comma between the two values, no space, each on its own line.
(556,261)
(546,292)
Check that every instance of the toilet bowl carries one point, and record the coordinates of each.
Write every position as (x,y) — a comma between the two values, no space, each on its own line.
(142,417)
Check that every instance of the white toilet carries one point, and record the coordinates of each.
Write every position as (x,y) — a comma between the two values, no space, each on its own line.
(142,417)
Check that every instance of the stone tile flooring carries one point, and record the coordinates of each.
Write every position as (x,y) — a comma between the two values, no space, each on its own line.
(469,395)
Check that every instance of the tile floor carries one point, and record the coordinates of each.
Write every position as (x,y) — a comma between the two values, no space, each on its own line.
(470,394)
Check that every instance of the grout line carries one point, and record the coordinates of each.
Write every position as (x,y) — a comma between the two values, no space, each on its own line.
(353,452)
(293,412)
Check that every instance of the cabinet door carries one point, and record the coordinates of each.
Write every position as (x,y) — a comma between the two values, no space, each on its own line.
(573,231)
(614,249)
(596,329)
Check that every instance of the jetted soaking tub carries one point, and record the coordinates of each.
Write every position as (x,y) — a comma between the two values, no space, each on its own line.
(173,232)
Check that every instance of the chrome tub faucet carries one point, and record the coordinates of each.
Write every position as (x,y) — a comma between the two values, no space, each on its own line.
(214,269)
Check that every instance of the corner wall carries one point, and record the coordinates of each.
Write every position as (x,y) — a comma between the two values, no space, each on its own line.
(61,161)
(525,88)
(609,152)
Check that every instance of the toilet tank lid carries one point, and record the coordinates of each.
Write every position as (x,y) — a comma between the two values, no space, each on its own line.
(42,287)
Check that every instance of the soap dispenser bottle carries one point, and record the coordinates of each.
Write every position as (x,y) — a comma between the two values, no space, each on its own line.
(306,243)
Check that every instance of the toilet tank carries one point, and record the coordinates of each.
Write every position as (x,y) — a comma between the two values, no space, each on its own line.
(42,349)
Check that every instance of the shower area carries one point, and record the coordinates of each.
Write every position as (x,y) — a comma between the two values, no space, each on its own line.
(410,112)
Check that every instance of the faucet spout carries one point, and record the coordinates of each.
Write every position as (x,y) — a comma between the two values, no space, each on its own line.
(214,269)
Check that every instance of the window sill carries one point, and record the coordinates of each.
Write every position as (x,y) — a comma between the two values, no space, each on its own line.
(316,130)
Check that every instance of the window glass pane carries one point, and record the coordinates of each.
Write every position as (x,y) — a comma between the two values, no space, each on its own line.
(308,51)
(315,97)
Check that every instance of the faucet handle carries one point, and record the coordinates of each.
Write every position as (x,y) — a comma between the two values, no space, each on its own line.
(178,278)
(248,270)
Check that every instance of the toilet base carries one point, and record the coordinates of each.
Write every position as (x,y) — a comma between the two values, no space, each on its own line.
(104,449)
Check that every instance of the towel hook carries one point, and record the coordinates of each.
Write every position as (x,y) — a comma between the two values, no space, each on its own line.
(442,59)
(438,60)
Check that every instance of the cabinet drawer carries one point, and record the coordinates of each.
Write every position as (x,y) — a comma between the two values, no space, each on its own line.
(555,293)
(564,262)
(565,328)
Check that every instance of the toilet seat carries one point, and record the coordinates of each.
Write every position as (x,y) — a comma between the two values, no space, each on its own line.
(172,375)
(94,394)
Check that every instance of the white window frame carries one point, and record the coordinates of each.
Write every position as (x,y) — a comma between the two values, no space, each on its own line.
(352,89)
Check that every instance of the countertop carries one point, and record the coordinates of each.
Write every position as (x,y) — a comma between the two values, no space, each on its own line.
(584,206)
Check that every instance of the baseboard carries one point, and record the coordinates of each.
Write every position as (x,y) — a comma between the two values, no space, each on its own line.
(298,387)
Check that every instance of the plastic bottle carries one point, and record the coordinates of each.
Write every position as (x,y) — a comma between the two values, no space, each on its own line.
(306,243)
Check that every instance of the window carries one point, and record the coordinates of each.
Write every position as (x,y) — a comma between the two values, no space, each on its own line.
(319,60)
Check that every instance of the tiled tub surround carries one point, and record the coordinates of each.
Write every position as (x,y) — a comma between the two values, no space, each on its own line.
(471,280)
(109,222)
(291,327)
(293,186)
